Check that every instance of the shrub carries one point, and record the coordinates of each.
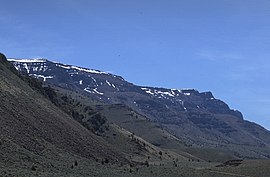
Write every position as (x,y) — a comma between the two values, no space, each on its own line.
(33,168)
(76,163)
(106,160)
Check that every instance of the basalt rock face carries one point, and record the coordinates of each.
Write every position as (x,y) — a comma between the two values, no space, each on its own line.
(197,118)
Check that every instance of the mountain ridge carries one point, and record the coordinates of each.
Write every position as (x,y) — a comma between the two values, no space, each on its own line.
(197,118)
(186,91)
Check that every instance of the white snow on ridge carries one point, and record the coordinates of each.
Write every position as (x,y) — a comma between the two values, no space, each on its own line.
(165,93)
(171,92)
(27,60)
(156,92)
(62,66)
(176,90)
(149,91)
(81,69)
(29,67)
(41,76)
(188,89)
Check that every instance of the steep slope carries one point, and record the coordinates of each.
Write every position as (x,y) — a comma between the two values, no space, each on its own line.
(36,135)
(198,119)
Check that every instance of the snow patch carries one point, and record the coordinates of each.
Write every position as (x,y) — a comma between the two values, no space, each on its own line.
(95,90)
(43,68)
(41,76)
(165,93)
(108,83)
(17,67)
(27,60)
(94,79)
(156,92)
(62,66)
(35,68)
(81,69)
(149,92)
(26,67)
(187,94)
(73,73)
(89,91)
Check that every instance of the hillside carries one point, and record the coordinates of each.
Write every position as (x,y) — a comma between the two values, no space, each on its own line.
(198,120)
(37,135)
(47,130)
(121,128)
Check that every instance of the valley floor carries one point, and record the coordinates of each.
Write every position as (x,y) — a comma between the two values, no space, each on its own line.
(84,167)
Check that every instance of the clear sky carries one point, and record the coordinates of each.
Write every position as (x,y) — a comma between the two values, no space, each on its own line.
(221,46)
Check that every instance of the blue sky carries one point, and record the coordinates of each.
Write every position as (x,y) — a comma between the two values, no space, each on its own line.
(217,45)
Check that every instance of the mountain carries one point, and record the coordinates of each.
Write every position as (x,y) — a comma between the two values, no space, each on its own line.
(48,132)
(39,139)
(197,119)
(53,129)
